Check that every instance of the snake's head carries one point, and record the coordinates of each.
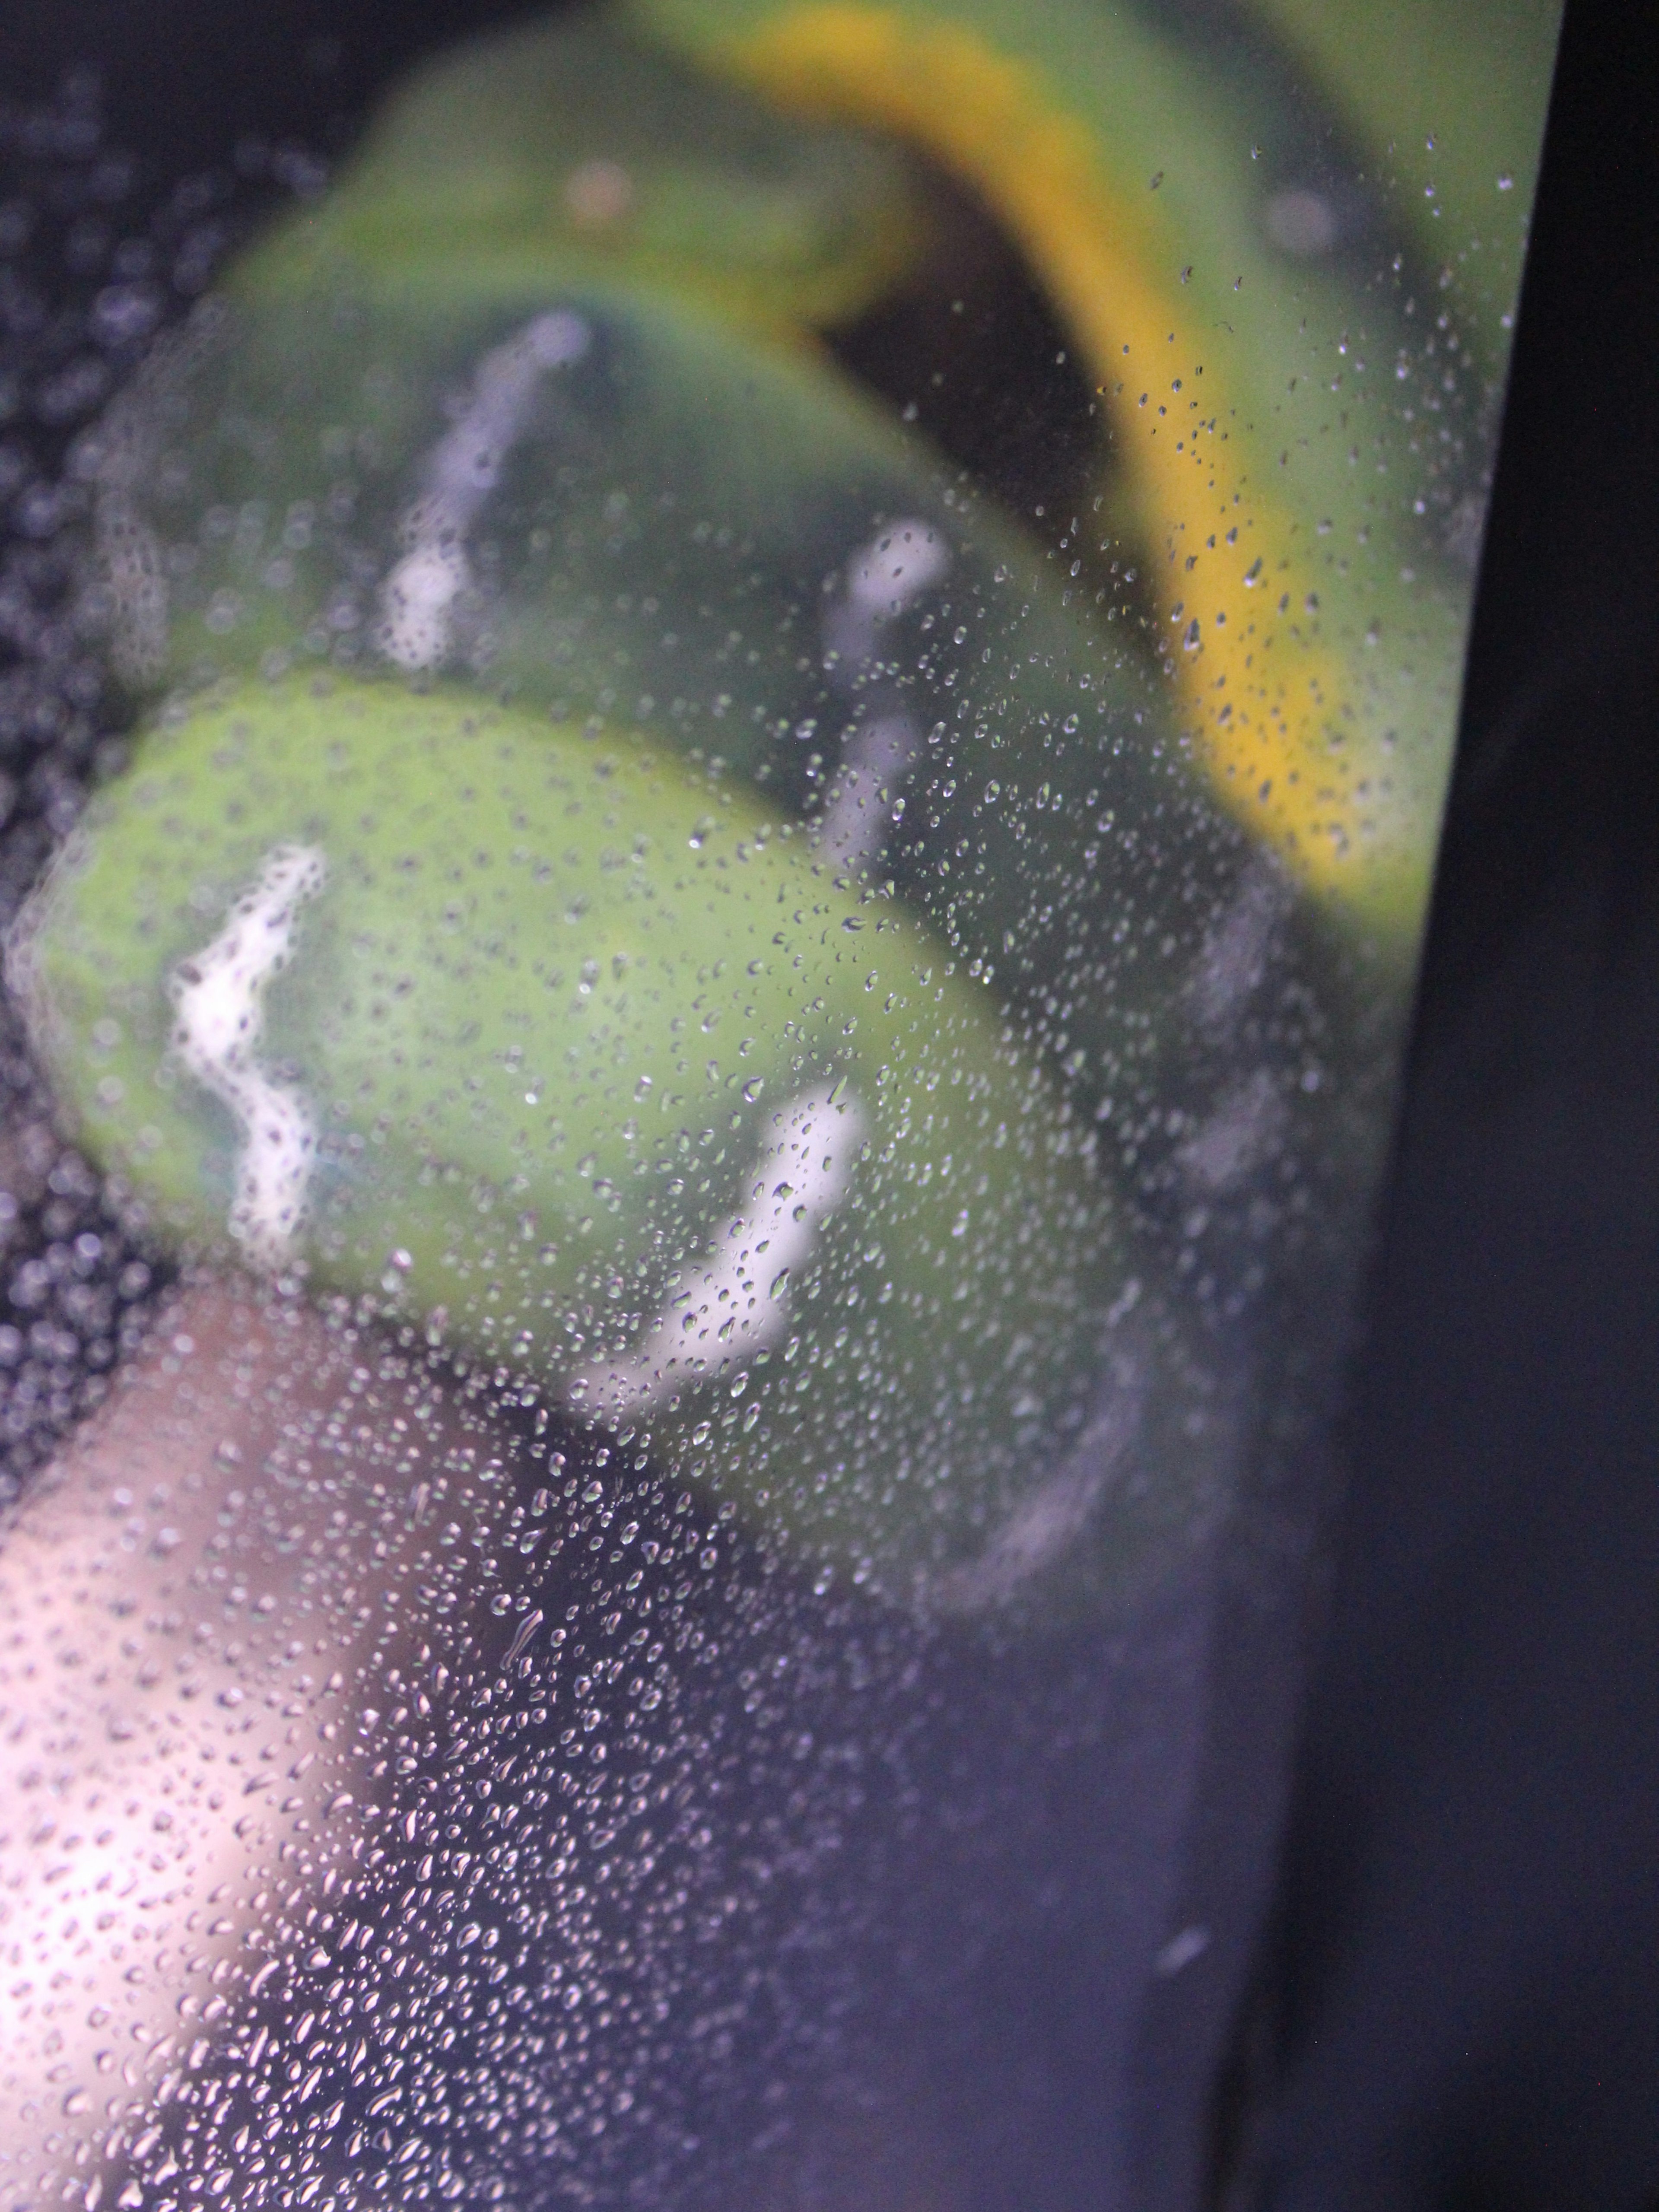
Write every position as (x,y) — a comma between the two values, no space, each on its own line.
(576,147)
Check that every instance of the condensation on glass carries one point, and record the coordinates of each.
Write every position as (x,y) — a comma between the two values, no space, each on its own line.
(786,674)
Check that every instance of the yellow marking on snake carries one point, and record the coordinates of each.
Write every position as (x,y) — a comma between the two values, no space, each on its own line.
(1272,707)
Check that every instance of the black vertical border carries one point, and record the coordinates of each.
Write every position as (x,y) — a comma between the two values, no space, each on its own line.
(1433,1971)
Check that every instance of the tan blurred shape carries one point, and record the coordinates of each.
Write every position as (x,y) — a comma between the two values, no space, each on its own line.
(195,1603)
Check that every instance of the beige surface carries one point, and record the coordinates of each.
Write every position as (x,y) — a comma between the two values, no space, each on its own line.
(195,1605)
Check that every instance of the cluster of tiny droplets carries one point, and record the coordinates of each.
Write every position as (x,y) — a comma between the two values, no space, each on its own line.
(91,265)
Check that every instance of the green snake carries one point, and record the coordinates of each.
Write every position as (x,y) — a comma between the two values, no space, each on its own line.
(637,868)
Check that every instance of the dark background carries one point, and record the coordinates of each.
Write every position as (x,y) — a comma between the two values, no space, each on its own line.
(297,71)
(1458,2007)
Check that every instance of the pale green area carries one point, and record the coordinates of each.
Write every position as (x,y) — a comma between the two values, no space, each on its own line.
(548,1010)
(1472,75)
(576,150)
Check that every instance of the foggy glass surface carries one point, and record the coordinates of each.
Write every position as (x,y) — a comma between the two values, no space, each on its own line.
(723,780)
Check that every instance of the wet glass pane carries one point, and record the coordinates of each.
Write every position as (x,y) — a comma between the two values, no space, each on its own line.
(723,772)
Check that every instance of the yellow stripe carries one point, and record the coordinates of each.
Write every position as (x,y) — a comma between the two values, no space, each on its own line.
(1271,707)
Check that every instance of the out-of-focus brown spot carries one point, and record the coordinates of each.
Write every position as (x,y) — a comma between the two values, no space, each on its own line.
(597,194)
